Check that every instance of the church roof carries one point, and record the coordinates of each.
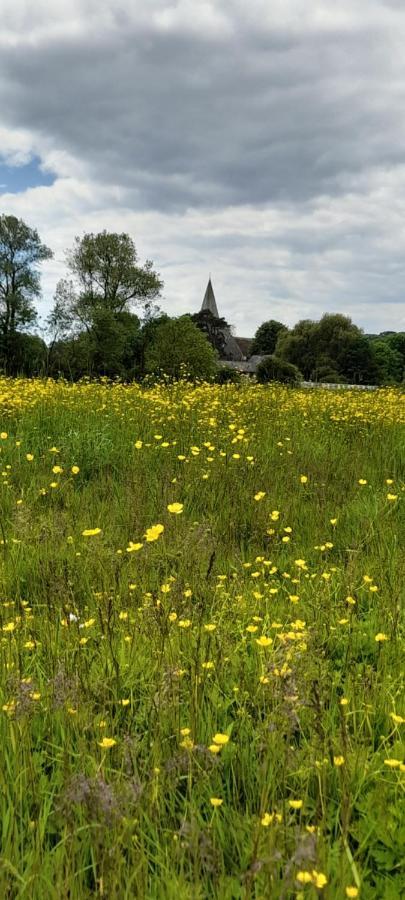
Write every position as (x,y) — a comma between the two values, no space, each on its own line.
(244,344)
(209,301)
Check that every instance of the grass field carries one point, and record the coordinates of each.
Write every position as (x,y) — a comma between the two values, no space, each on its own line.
(201,642)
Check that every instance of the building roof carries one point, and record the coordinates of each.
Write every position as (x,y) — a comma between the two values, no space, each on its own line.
(209,301)
(244,344)
(234,348)
(248,366)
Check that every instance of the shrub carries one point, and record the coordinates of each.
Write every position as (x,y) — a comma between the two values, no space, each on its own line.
(333,378)
(179,350)
(271,368)
(228,375)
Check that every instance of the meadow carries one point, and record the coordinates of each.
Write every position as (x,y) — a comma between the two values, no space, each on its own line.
(201,652)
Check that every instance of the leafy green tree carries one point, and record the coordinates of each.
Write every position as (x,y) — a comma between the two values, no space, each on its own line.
(104,276)
(271,368)
(334,344)
(265,339)
(110,348)
(71,357)
(214,328)
(388,361)
(395,340)
(145,338)
(355,360)
(298,347)
(178,349)
(21,253)
(105,282)
(27,354)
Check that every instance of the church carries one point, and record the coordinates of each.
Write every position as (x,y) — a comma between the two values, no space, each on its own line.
(236,349)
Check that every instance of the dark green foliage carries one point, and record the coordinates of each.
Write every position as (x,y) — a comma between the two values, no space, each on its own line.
(94,330)
(105,277)
(214,328)
(265,339)
(228,375)
(110,348)
(389,349)
(271,368)
(178,349)
(21,253)
(106,273)
(27,354)
(388,361)
(334,344)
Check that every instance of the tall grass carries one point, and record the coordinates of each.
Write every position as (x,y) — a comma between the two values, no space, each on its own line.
(215,713)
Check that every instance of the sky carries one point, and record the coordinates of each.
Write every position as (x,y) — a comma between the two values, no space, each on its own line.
(262,143)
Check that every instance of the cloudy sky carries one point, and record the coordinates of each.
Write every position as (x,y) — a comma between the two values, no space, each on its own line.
(263,142)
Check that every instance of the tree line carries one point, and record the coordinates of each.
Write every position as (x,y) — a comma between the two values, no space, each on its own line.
(333,350)
(105,321)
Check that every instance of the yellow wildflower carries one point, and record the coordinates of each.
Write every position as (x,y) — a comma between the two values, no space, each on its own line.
(304,877)
(175,508)
(264,641)
(319,879)
(220,738)
(338,761)
(398,720)
(154,532)
(107,742)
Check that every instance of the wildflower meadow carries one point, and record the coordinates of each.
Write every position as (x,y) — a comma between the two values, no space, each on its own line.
(201,642)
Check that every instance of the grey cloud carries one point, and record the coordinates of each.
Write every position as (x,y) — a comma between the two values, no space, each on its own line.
(269,147)
(258,115)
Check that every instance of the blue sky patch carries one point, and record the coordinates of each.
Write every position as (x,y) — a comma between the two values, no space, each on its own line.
(16,179)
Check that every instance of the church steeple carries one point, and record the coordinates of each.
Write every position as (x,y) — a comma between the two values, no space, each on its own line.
(209,301)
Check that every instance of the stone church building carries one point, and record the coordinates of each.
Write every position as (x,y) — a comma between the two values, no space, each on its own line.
(236,352)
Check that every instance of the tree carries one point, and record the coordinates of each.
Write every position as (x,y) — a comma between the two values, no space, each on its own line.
(21,253)
(265,339)
(111,348)
(355,360)
(388,361)
(105,275)
(28,355)
(271,368)
(96,300)
(298,347)
(332,345)
(146,338)
(395,341)
(214,328)
(179,349)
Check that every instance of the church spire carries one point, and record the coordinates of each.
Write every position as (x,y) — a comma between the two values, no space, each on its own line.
(209,303)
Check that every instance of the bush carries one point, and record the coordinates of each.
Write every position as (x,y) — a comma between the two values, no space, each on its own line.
(332,378)
(228,375)
(180,350)
(271,368)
